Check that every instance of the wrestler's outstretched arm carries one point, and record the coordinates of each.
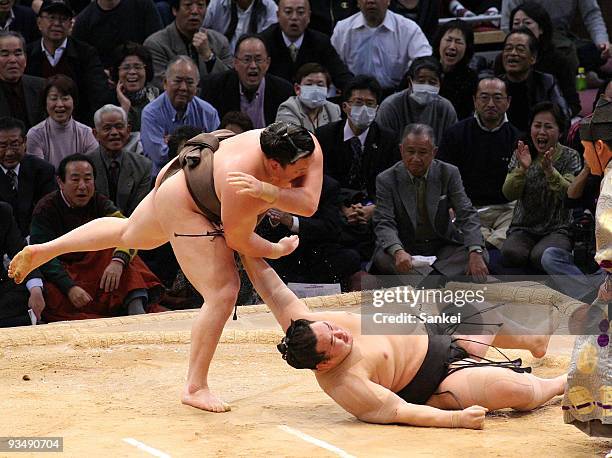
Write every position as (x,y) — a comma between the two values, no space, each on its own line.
(373,403)
(282,302)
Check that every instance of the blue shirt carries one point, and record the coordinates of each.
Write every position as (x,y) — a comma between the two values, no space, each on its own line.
(159,118)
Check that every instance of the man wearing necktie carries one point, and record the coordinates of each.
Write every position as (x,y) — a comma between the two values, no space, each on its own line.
(412,215)
(121,175)
(24,178)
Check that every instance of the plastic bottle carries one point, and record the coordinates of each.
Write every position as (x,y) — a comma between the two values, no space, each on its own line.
(581,83)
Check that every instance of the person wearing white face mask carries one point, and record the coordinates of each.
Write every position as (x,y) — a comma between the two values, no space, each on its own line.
(355,151)
(310,108)
(420,102)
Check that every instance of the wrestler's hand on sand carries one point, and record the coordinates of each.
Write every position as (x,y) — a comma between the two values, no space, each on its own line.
(285,246)
(111,276)
(79,297)
(472,418)
(253,187)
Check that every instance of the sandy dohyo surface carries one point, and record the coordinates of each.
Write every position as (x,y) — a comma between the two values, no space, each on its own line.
(95,389)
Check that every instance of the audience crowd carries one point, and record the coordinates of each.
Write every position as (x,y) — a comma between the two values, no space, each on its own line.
(431,149)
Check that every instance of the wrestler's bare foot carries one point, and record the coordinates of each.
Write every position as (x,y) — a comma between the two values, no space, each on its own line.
(202,398)
(539,345)
(562,381)
(22,264)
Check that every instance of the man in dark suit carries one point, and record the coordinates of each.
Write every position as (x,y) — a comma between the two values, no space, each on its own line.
(24,179)
(15,300)
(292,44)
(248,88)
(355,151)
(319,258)
(412,214)
(122,175)
(56,53)
(18,18)
(19,93)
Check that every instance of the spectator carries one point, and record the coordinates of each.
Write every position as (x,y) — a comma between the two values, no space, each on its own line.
(177,106)
(424,12)
(234,18)
(539,175)
(106,24)
(20,19)
(355,151)
(481,148)
(209,49)
(412,214)
(248,88)
(310,108)
(292,43)
(58,53)
(454,48)
(320,258)
(527,86)
(25,179)
(19,93)
(132,70)
(470,8)
(236,121)
(327,13)
(419,102)
(93,284)
(16,300)
(59,135)
(533,16)
(177,140)
(123,176)
(562,14)
(379,43)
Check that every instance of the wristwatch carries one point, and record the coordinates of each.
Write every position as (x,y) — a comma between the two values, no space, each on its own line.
(477,250)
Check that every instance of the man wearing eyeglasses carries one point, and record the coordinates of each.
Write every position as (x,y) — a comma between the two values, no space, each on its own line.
(24,179)
(19,93)
(57,52)
(526,85)
(177,106)
(208,48)
(248,88)
(481,147)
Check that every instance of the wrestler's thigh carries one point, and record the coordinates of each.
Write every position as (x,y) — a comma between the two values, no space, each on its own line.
(490,387)
(143,229)
(476,345)
(207,262)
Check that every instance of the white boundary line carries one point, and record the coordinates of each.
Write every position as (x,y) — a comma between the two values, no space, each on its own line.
(315,441)
(146,448)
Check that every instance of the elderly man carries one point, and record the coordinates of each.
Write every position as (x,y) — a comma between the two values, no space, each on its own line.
(209,49)
(24,179)
(292,43)
(57,53)
(122,175)
(19,94)
(177,106)
(248,88)
(412,214)
(390,41)
(18,18)
(481,147)
(94,284)
(419,102)
(207,204)
(234,18)
(527,86)
(419,378)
